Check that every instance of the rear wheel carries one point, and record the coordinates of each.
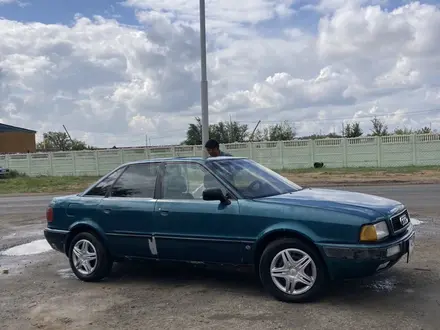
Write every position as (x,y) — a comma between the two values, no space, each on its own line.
(292,271)
(89,259)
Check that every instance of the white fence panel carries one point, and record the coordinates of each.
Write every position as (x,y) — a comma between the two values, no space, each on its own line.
(362,152)
(297,154)
(427,150)
(370,151)
(330,152)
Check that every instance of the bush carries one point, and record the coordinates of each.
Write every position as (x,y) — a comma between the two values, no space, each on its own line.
(13,174)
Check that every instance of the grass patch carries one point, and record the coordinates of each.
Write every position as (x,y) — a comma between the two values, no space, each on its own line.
(45,184)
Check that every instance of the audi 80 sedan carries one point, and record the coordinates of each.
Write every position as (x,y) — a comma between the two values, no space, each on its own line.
(229,211)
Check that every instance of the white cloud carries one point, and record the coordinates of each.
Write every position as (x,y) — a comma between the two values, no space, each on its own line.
(114,84)
(17,2)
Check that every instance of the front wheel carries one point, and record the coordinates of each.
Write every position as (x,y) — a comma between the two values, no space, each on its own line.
(89,259)
(292,271)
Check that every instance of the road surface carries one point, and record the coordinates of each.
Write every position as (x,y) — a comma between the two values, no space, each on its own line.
(40,292)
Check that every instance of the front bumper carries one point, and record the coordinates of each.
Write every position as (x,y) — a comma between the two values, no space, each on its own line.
(56,238)
(347,261)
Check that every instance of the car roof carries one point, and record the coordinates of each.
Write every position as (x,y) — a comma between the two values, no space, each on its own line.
(200,160)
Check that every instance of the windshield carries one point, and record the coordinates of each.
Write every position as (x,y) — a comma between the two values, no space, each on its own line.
(251,179)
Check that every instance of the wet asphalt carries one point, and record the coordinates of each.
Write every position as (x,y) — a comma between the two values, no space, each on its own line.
(40,291)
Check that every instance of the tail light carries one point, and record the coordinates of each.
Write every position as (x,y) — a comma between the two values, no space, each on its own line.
(49,214)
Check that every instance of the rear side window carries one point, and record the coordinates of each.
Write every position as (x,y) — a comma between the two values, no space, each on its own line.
(102,187)
(138,180)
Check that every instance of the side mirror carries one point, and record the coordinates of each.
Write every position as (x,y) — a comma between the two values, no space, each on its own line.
(214,194)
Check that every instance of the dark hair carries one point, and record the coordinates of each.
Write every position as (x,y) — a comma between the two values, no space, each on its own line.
(212,144)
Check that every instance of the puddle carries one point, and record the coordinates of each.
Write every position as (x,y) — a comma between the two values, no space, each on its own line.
(416,222)
(35,247)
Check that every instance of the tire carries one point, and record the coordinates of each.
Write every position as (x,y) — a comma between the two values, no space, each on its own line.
(100,267)
(297,250)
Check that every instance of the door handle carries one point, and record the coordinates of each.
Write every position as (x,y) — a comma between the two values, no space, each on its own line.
(106,211)
(163,212)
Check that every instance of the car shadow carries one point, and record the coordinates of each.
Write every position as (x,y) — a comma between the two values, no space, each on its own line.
(185,275)
(379,288)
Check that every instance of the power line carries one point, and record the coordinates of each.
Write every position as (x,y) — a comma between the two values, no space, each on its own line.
(344,118)
(176,133)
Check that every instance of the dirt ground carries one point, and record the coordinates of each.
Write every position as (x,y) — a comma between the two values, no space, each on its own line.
(39,291)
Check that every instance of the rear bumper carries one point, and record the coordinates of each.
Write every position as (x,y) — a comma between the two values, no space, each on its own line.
(56,238)
(347,261)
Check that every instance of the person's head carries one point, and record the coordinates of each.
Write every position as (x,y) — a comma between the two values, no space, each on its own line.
(213,148)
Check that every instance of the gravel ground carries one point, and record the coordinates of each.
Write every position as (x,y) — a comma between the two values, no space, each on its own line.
(40,292)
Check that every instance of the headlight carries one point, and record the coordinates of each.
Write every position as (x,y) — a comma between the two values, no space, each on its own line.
(371,233)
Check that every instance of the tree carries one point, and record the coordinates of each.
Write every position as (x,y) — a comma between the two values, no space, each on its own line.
(60,141)
(352,130)
(229,132)
(379,127)
(424,130)
(403,131)
(321,136)
(277,132)
(194,133)
(223,132)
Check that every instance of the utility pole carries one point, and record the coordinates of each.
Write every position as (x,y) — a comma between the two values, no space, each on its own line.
(251,139)
(67,132)
(204,78)
(230,129)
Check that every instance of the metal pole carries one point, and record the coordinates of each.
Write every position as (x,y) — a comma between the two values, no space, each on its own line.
(204,79)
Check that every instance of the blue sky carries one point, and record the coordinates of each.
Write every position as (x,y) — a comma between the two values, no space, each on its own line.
(63,11)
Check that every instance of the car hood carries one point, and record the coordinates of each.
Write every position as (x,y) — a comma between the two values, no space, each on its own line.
(338,200)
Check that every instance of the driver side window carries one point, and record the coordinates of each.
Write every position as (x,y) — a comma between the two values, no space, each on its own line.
(187,181)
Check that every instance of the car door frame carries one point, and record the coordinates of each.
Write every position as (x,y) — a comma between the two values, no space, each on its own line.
(163,239)
(148,235)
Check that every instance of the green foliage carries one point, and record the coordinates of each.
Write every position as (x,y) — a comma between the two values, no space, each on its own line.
(424,130)
(408,131)
(229,132)
(277,132)
(353,130)
(60,141)
(379,127)
(403,131)
(13,174)
(223,132)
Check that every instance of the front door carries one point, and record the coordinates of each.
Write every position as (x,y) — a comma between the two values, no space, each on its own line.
(188,228)
(126,214)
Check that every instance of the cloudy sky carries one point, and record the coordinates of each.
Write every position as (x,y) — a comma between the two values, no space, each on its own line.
(114,71)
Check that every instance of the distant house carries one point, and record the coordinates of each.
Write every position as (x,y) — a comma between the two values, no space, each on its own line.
(16,139)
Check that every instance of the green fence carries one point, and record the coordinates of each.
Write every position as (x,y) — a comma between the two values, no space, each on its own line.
(388,151)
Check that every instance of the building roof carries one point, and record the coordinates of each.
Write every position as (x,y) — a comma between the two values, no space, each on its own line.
(8,128)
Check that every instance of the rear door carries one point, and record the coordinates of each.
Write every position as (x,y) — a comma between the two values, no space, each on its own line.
(85,208)
(126,214)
